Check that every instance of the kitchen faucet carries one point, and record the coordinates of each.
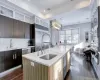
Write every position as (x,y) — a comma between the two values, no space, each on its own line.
(10,43)
(41,49)
(44,42)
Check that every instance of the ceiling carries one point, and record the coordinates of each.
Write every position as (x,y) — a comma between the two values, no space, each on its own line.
(50,8)
(74,17)
(55,7)
(65,11)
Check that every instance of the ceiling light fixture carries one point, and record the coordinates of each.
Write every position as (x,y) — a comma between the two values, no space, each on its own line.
(28,0)
(44,10)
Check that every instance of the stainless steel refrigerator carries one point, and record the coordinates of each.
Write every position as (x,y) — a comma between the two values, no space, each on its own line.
(42,38)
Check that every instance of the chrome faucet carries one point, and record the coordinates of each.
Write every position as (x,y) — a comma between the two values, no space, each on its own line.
(41,48)
(44,42)
(10,43)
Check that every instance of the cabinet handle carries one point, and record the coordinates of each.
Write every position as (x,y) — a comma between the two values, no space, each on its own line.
(15,56)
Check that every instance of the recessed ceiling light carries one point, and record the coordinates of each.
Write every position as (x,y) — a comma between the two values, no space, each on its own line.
(28,0)
(44,10)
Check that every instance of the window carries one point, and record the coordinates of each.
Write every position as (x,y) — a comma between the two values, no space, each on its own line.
(62,36)
(75,36)
(70,36)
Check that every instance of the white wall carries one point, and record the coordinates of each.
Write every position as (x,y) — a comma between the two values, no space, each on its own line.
(84,27)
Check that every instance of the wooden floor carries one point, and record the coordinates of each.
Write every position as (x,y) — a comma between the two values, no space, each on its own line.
(79,70)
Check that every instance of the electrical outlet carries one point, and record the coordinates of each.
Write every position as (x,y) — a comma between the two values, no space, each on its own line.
(32,63)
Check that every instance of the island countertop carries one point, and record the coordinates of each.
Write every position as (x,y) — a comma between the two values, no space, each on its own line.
(60,51)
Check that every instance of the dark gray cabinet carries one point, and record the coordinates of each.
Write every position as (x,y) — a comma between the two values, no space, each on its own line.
(8,27)
(19,30)
(1,26)
(27,30)
(11,28)
(18,59)
(10,59)
(2,62)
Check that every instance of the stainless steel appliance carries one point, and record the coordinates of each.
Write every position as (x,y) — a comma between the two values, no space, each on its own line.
(26,51)
(40,37)
(40,41)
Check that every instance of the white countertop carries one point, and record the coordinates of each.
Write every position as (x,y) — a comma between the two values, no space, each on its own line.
(8,49)
(60,51)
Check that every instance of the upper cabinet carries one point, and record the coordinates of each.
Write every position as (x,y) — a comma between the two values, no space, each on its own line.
(15,14)
(18,31)
(6,12)
(27,30)
(19,16)
(11,28)
(6,27)
(42,22)
(1,26)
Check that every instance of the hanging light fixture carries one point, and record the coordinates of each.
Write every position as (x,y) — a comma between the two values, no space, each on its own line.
(56,24)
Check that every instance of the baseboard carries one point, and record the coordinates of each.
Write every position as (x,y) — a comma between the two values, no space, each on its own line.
(95,73)
(9,71)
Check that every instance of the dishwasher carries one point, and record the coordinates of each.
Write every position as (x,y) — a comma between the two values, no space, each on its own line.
(26,51)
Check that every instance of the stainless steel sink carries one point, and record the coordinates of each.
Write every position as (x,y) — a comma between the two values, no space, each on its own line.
(48,56)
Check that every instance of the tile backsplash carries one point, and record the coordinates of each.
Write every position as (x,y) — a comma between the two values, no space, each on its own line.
(19,43)
(4,43)
(16,43)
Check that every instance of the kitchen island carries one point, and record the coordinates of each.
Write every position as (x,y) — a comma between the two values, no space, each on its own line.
(50,64)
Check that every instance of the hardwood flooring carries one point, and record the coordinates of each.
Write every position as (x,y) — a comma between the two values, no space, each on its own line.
(79,70)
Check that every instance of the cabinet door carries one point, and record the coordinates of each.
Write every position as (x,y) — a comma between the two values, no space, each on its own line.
(9,60)
(2,61)
(19,31)
(8,27)
(1,26)
(18,57)
(27,30)
(58,70)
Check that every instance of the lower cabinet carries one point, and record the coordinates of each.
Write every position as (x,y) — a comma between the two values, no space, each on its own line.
(10,59)
(2,61)
(56,71)
(18,56)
